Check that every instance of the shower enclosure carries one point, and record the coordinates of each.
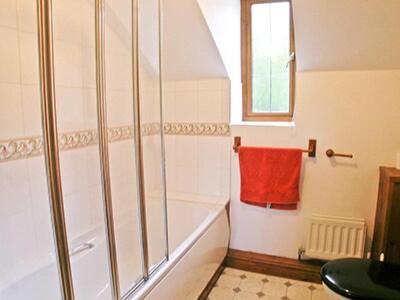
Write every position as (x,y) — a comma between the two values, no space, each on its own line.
(81,148)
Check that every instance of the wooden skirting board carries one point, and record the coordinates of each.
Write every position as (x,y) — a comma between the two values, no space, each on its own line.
(274,265)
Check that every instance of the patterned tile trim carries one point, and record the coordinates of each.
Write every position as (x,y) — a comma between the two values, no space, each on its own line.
(202,129)
(33,146)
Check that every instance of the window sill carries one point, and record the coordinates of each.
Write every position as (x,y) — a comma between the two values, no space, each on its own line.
(265,123)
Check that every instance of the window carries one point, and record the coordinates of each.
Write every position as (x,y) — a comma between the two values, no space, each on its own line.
(268,60)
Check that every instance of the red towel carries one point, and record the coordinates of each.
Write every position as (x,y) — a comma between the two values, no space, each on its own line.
(270,176)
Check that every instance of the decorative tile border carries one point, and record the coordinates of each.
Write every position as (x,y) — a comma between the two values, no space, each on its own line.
(33,146)
(202,129)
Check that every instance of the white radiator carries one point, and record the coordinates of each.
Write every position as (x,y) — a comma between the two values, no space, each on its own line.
(336,237)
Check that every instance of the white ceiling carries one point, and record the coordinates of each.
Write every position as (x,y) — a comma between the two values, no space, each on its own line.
(347,34)
(189,51)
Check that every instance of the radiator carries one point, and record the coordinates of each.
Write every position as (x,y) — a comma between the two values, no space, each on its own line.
(335,237)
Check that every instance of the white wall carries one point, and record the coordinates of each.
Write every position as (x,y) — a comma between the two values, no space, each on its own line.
(189,51)
(352,112)
(347,34)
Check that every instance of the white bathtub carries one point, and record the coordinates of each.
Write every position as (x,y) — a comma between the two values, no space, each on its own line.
(198,241)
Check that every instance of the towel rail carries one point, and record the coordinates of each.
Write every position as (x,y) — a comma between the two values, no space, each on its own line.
(312,146)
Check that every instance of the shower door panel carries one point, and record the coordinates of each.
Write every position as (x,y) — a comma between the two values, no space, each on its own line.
(120,117)
(77,121)
(151,124)
(28,267)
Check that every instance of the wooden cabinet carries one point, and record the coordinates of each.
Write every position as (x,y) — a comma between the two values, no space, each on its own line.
(387,220)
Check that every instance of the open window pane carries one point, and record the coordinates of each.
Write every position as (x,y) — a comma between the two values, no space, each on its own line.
(270,51)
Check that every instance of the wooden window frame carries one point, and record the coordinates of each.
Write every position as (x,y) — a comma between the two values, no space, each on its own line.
(248,114)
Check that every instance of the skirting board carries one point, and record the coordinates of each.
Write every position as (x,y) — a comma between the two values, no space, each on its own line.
(274,265)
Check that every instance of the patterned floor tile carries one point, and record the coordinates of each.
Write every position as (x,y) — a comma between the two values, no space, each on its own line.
(237,284)
(319,294)
(298,292)
(228,281)
(275,288)
(251,285)
(246,296)
(221,293)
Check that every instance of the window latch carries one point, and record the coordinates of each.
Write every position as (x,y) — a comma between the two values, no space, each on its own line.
(291,58)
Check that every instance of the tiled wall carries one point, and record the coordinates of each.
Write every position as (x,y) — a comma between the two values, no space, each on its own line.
(25,227)
(26,236)
(197,164)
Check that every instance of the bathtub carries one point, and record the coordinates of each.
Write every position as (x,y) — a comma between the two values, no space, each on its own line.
(198,241)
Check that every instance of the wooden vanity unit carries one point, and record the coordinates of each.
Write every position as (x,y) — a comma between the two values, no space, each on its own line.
(386,238)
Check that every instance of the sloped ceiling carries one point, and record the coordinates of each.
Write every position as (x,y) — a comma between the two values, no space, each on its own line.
(189,51)
(347,34)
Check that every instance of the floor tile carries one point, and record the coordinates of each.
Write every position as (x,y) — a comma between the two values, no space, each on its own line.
(298,292)
(246,296)
(221,293)
(228,281)
(319,294)
(238,284)
(275,288)
(251,285)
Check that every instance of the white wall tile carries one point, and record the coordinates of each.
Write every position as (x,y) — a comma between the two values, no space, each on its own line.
(210,106)
(32,115)
(8,13)
(210,84)
(11,122)
(170,149)
(186,180)
(186,103)
(90,108)
(169,106)
(119,154)
(29,58)
(210,150)
(225,182)
(67,20)
(73,171)
(77,213)
(96,205)
(68,64)
(26,15)
(87,24)
(209,181)
(186,86)
(93,165)
(186,150)
(171,178)
(119,108)
(17,232)
(207,157)
(9,56)
(89,66)
(40,207)
(70,109)
(14,188)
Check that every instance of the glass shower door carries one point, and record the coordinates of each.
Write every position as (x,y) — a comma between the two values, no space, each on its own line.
(152,130)
(28,266)
(120,118)
(77,121)
(135,206)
